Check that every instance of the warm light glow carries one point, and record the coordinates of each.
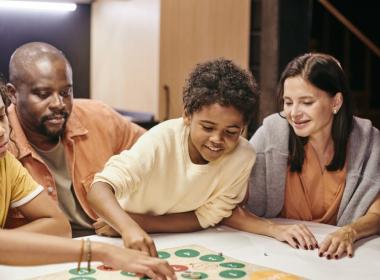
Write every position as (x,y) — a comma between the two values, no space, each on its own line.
(34,5)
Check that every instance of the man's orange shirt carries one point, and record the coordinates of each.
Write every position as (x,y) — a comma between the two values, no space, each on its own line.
(94,132)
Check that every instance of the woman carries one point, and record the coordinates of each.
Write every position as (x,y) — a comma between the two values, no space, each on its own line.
(315,162)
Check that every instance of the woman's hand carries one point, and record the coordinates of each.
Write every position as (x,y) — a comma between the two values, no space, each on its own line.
(297,236)
(339,243)
(136,238)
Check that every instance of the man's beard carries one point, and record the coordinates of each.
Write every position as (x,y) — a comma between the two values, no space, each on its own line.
(52,135)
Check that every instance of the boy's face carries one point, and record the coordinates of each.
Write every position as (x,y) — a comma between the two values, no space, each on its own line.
(214,131)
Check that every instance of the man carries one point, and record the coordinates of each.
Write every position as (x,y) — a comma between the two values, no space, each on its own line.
(62,141)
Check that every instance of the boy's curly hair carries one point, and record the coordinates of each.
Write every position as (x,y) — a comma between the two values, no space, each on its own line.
(223,82)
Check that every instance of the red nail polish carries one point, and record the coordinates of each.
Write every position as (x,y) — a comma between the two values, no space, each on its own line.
(328,257)
(336,257)
(350,255)
(320,254)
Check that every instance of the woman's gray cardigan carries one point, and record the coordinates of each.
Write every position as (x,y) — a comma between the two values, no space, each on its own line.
(267,180)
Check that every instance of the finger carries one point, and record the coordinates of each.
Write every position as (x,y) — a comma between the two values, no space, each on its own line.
(300,239)
(309,236)
(141,246)
(324,246)
(350,250)
(152,249)
(292,241)
(331,251)
(342,249)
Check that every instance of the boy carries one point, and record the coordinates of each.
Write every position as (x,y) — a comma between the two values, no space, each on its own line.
(184,174)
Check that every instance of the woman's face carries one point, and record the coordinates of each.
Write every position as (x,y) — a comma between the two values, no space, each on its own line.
(4,129)
(308,109)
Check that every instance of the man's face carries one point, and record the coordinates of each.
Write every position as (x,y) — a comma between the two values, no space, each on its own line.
(44,97)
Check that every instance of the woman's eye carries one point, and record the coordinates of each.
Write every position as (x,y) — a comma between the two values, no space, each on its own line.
(207,128)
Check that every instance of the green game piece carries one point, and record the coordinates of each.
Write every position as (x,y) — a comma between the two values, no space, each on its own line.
(82,278)
(82,271)
(163,255)
(232,265)
(130,274)
(187,253)
(232,274)
(212,258)
(187,275)
(145,278)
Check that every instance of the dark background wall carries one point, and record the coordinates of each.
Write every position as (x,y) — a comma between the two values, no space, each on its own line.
(69,32)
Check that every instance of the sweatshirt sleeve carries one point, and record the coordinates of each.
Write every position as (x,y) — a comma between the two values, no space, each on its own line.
(125,172)
(220,206)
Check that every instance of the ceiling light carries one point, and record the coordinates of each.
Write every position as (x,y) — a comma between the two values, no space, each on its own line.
(41,6)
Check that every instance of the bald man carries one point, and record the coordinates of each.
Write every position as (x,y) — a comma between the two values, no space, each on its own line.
(62,141)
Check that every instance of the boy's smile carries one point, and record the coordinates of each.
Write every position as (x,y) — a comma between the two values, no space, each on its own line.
(214,131)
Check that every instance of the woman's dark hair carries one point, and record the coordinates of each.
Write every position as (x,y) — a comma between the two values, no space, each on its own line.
(324,72)
(220,81)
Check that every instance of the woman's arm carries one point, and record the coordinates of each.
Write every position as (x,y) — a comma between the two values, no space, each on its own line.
(341,242)
(25,248)
(44,216)
(102,199)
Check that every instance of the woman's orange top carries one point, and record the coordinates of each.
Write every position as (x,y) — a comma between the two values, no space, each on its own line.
(315,193)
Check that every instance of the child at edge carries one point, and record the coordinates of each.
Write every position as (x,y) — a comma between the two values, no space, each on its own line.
(184,174)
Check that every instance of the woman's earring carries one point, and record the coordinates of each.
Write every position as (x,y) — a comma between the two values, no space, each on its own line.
(335,111)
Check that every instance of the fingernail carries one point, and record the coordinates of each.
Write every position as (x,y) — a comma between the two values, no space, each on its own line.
(350,255)
(316,246)
(320,254)
(297,247)
(306,247)
(311,247)
(336,257)
(328,257)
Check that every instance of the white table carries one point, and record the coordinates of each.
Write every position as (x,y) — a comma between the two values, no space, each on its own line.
(255,249)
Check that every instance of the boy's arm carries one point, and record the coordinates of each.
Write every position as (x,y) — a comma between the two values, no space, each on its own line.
(102,199)
(44,217)
(178,222)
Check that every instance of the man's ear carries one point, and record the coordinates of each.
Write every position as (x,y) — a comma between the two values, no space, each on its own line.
(186,118)
(11,93)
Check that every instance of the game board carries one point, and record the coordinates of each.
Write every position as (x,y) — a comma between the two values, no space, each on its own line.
(192,258)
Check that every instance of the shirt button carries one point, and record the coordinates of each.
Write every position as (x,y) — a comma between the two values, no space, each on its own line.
(50,189)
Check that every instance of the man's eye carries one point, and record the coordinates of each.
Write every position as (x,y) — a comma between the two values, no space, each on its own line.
(66,92)
(43,94)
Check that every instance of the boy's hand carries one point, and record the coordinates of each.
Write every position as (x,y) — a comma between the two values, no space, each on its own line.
(136,238)
(104,229)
